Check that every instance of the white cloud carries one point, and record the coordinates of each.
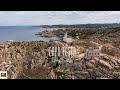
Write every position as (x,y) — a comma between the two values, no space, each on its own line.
(57,17)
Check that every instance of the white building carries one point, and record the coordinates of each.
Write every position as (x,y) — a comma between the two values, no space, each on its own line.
(66,39)
(92,53)
(10,40)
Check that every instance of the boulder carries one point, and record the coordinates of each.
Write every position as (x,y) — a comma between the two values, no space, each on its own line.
(116,74)
(114,62)
(117,60)
(104,78)
(79,76)
(77,72)
(105,64)
(89,65)
(83,66)
(96,59)
(86,74)
(91,71)
(80,68)
(98,73)
(92,62)
(105,57)
(117,67)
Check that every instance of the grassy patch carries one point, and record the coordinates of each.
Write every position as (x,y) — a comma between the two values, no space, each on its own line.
(59,74)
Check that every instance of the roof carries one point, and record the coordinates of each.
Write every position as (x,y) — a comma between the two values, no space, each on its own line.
(96,50)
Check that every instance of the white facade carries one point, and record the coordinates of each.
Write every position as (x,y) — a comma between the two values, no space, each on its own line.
(11,40)
(66,39)
(91,53)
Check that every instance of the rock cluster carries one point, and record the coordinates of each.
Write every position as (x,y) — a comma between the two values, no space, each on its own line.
(91,69)
(24,56)
(29,60)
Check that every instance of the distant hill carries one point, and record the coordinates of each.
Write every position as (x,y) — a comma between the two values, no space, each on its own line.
(83,25)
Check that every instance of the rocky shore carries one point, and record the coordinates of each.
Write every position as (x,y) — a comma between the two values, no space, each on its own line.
(46,33)
(30,60)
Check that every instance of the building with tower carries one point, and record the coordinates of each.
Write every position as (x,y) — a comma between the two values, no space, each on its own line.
(66,39)
(93,52)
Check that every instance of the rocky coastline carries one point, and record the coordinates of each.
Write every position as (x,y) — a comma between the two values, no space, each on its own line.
(30,60)
(46,33)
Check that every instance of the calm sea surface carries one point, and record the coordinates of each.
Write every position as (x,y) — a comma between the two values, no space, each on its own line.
(22,33)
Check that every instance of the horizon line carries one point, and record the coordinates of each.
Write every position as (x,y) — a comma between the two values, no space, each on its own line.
(59,24)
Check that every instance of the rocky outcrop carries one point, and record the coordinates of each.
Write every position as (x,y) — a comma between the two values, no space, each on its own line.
(24,56)
(105,64)
(46,33)
(29,60)
(97,68)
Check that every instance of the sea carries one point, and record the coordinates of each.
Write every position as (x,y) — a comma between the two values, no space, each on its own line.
(23,33)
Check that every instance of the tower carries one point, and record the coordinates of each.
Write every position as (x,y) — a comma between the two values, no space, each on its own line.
(94,43)
(65,35)
(66,39)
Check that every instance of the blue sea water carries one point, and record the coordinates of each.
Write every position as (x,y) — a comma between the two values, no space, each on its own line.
(22,33)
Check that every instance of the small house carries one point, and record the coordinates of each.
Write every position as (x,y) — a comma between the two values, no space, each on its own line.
(92,53)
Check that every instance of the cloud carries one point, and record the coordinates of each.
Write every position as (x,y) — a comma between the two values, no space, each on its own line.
(57,17)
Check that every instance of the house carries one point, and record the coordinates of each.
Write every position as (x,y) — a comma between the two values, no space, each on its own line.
(92,53)
(66,39)
(11,41)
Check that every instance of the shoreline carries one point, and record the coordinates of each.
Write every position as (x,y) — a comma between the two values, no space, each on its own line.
(21,41)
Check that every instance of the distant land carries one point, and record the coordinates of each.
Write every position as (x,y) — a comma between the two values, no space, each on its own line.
(96,25)
(106,25)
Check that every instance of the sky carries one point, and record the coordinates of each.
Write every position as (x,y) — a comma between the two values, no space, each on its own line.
(13,18)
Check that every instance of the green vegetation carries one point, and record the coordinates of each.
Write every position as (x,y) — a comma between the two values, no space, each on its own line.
(59,74)
(55,65)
